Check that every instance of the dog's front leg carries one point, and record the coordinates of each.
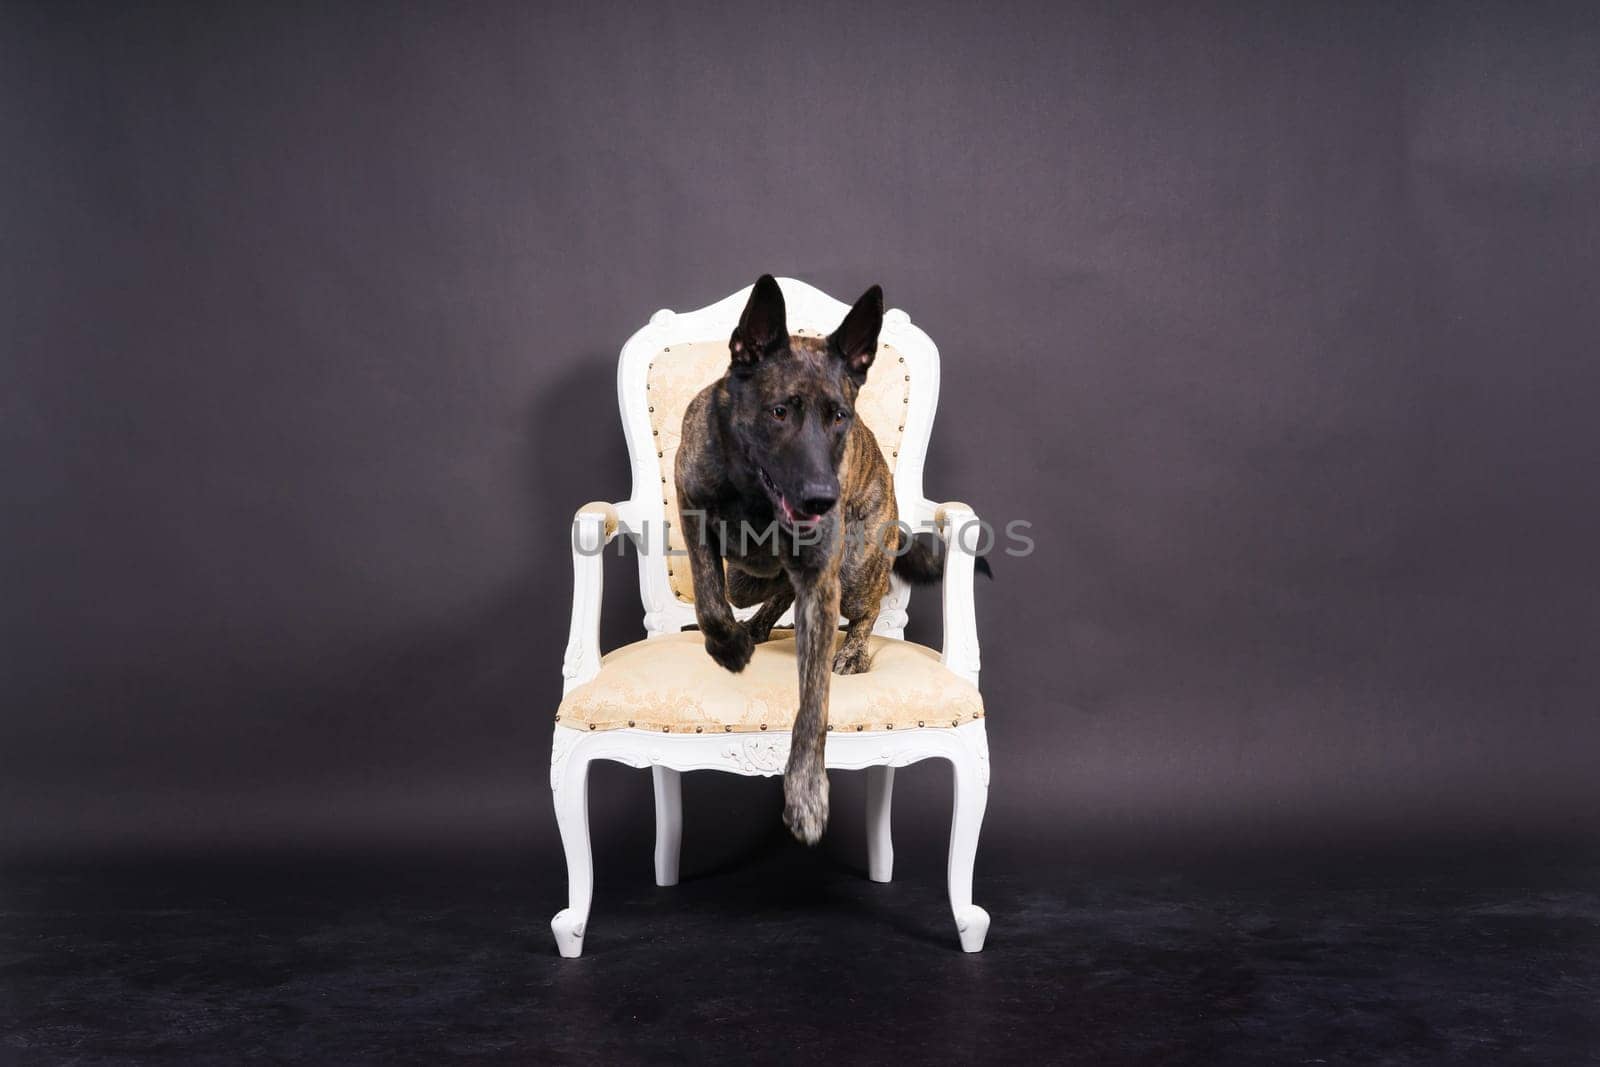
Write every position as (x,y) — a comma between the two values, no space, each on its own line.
(727,642)
(805,780)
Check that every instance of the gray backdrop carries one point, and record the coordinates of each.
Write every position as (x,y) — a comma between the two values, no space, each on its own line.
(1278,322)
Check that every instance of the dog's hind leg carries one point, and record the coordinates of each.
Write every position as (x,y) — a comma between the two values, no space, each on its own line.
(773,594)
(761,623)
(860,600)
(855,655)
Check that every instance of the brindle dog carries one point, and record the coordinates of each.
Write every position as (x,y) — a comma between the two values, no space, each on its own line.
(777,477)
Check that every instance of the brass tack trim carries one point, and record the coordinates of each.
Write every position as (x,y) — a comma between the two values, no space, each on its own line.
(666,729)
(591,726)
(921,723)
(630,722)
(763,726)
(955,722)
(727,728)
(558,718)
(859,728)
(652,407)
(699,729)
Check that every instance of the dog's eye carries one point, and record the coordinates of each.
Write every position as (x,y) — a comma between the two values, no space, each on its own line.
(838,417)
(780,412)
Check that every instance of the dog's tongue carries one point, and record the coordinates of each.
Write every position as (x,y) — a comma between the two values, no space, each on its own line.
(793,517)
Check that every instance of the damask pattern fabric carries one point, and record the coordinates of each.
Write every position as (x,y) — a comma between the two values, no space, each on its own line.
(669,684)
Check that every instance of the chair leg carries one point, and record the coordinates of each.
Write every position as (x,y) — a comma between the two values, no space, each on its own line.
(880,845)
(669,823)
(569,782)
(971,797)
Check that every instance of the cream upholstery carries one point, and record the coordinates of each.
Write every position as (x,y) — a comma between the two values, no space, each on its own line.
(607,512)
(679,372)
(940,510)
(668,684)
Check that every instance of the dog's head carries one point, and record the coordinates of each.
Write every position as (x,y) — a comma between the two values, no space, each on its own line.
(794,400)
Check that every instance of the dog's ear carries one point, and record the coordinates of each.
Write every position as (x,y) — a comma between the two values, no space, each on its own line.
(763,328)
(856,339)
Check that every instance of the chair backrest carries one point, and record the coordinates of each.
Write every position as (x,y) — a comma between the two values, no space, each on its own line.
(668,362)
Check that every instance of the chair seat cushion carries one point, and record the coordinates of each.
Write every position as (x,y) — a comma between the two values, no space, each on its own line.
(670,684)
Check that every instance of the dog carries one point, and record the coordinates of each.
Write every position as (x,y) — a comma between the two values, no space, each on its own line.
(785,498)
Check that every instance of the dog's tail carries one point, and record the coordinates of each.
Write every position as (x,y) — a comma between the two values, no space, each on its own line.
(920,559)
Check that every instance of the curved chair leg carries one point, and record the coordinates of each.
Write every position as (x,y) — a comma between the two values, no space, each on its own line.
(880,845)
(971,775)
(669,823)
(569,781)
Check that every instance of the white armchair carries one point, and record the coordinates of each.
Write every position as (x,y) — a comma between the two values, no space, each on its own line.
(663,703)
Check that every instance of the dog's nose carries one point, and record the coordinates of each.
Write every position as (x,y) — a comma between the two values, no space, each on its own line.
(819,499)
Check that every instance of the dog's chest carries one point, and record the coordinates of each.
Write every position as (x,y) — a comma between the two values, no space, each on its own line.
(749,538)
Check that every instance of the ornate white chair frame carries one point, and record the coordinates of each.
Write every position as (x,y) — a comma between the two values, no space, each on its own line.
(641,518)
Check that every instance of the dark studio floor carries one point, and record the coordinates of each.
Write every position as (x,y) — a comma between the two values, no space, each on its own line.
(1401,955)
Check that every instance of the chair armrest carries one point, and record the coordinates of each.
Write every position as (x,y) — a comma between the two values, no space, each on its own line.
(958,525)
(593,527)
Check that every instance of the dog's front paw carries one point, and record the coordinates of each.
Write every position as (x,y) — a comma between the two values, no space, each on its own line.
(805,807)
(732,649)
(851,661)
